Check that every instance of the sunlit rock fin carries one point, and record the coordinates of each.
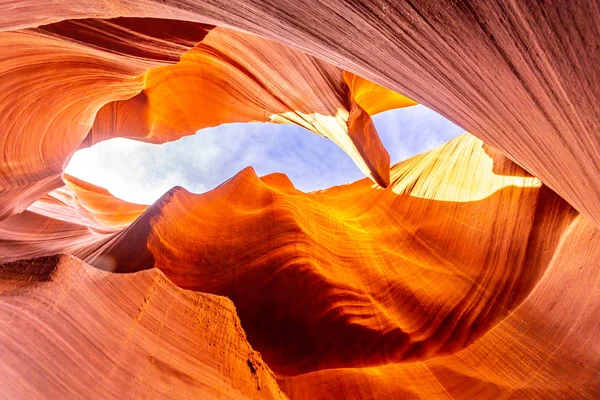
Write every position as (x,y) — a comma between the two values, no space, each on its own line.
(373,155)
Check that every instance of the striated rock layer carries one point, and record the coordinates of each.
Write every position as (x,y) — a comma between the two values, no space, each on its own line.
(435,287)
(520,75)
(413,284)
(470,271)
(72,331)
(75,83)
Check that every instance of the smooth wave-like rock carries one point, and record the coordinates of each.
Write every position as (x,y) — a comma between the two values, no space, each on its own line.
(68,219)
(54,79)
(235,77)
(73,331)
(519,76)
(470,271)
(74,83)
(358,276)
(547,348)
(434,287)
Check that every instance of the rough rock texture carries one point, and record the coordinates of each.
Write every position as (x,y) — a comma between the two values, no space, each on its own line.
(73,331)
(459,274)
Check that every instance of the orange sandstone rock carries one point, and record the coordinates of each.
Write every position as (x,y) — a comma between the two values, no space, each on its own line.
(235,77)
(377,281)
(55,78)
(75,83)
(94,334)
(71,219)
(521,76)
(467,277)
(433,287)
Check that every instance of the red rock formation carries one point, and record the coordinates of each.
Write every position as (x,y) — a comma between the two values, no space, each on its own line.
(466,277)
(547,348)
(370,279)
(235,77)
(463,269)
(227,77)
(72,331)
(68,219)
(520,75)
(54,79)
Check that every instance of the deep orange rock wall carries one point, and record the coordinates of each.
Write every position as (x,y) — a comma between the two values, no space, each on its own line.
(434,287)
(381,281)
(470,271)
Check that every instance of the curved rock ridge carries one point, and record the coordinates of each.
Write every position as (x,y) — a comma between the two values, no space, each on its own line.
(75,83)
(465,272)
(547,348)
(94,334)
(453,308)
(235,77)
(95,203)
(54,79)
(70,219)
(359,276)
(520,76)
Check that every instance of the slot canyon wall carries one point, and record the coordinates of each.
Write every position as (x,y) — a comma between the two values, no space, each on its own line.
(471,271)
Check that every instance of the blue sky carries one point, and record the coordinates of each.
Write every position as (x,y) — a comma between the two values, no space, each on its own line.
(141,172)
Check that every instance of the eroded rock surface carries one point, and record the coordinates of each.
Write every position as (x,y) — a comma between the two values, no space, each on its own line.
(72,331)
(469,272)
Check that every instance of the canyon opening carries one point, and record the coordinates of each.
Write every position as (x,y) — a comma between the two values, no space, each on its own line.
(300,199)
